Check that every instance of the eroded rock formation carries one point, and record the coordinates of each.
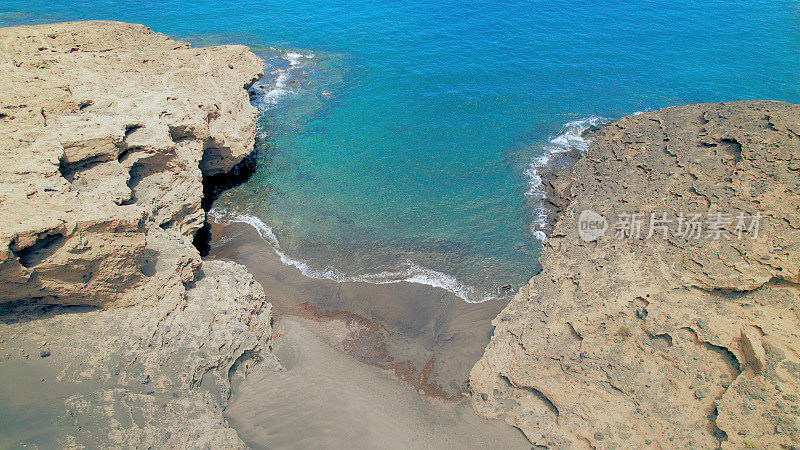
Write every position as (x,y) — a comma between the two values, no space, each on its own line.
(667,340)
(144,376)
(106,130)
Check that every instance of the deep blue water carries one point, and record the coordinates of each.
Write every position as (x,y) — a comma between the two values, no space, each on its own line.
(397,137)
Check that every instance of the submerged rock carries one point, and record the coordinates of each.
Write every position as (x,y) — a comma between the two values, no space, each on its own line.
(558,366)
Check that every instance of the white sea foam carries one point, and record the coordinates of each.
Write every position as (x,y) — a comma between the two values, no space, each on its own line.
(271,89)
(570,139)
(409,272)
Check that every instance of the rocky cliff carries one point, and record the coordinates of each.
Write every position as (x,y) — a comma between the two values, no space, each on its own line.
(666,314)
(107,131)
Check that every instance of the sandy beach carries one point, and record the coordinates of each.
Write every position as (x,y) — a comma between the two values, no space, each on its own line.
(371,365)
(426,335)
(322,398)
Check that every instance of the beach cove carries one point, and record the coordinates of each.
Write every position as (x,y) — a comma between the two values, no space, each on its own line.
(362,226)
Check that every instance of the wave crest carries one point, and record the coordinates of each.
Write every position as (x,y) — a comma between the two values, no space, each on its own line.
(271,88)
(409,272)
(571,138)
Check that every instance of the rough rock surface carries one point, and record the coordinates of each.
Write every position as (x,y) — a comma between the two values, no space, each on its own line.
(106,130)
(145,376)
(664,341)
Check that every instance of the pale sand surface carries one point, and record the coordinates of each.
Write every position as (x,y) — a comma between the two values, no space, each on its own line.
(326,399)
(31,401)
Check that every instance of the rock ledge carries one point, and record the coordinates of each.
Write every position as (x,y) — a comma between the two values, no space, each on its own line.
(106,133)
(106,130)
(665,341)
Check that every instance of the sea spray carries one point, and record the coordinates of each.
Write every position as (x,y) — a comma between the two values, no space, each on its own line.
(281,80)
(408,272)
(570,139)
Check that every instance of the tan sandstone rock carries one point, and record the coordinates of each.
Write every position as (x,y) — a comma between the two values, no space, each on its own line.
(666,341)
(144,376)
(106,130)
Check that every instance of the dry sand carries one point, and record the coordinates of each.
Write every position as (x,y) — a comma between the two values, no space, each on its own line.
(325,399)
(364,365)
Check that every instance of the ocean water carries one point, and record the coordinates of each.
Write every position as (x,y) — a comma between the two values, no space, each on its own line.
(400,140)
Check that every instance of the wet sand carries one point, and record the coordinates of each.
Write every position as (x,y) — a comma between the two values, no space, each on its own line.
(363,365)
(325,399)
(429,337)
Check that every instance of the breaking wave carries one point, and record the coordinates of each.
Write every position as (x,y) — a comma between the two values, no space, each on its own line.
(281,80)
(571,138)
(408,272)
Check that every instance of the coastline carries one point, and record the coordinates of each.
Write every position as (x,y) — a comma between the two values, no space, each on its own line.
(145,354)
(654,338)
(114,331)
(411,273)
(422,333)
(426,335)
(546,181)
(547,174)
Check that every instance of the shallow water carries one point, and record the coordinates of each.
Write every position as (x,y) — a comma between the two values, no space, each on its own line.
(398,138)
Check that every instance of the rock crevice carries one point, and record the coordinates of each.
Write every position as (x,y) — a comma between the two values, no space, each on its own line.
(661,338)
(107,133)
(108,150)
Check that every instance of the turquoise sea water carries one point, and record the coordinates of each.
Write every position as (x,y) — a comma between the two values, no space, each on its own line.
(399,139)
